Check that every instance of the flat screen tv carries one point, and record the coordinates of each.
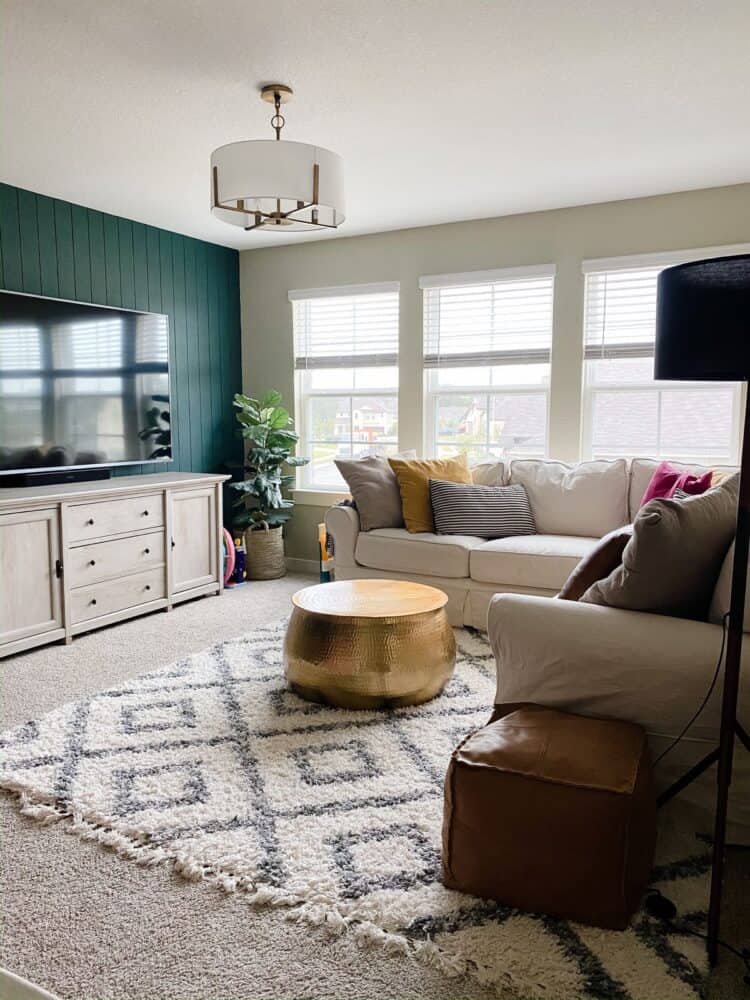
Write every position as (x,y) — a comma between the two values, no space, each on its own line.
(81,386)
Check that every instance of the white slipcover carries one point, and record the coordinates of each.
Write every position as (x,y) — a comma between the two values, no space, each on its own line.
(540,561)
(587,499)
(644,668)
(642,469)
(422,552)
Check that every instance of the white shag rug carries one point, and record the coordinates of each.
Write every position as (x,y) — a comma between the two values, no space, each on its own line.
(212,766)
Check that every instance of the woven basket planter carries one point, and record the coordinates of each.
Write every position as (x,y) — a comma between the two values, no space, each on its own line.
(265,554)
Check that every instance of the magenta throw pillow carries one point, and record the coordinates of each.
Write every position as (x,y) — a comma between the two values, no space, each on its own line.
(667,479)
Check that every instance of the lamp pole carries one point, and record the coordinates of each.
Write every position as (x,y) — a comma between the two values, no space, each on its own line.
(730,726)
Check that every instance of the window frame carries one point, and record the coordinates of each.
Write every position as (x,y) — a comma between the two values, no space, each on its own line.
(305,485)
(432,391)
(591,389)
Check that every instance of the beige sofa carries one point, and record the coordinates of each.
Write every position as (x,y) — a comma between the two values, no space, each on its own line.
(573,507)
(644,668)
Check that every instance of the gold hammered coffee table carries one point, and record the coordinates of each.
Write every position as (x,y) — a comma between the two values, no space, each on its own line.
(369,643)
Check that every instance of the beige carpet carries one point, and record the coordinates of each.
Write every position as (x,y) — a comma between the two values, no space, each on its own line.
(84,923)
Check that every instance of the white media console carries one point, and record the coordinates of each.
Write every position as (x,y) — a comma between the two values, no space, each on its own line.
(81,555)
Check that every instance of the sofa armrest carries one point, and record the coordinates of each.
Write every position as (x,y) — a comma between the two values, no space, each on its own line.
(342,524)
(645,668)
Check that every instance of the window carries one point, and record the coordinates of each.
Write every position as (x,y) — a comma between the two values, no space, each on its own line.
(626,412)
(487,340)
(346,357)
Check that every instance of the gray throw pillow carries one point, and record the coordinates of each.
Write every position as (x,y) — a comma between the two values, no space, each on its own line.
(671,563)
(374,489)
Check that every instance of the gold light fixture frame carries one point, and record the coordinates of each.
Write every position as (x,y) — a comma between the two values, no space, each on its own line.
(276,94)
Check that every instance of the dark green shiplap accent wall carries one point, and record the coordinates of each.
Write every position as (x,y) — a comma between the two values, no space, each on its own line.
(51,247)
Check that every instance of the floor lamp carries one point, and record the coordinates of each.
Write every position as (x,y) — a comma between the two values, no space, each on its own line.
(703,333)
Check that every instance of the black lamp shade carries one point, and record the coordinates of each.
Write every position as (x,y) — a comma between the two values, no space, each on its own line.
(703,321)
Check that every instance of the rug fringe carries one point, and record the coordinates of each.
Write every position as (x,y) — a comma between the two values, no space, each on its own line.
(324,914)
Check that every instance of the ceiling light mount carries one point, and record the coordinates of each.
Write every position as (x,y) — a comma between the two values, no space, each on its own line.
(270,184)
(277,94)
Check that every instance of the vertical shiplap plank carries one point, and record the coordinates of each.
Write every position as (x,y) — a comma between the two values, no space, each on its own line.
(185,411)
(81,253)
(233,336)
(127,266)
(30,266)
(112,261)
(230,453)
(204,357)
(193,356)
(45,220)
(161,276)
(214,353)
(10,238)
(66,276)
(98,262)
(140,269)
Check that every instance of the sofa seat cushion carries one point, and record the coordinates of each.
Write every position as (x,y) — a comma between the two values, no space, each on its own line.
(400,551)
(541,561)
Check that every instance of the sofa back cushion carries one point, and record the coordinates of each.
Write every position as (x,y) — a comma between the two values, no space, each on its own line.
(489,474)
(589,499)
(643,469)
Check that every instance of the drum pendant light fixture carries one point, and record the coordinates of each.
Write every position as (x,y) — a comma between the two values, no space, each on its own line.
(272,184)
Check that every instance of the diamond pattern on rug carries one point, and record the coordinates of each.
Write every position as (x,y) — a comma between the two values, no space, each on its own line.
(214,766)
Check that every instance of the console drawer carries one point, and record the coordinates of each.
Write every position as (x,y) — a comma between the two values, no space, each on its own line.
(99,561)
(114,517)
(116,595)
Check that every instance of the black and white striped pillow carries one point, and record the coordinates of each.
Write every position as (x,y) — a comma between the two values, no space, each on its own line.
(484,511)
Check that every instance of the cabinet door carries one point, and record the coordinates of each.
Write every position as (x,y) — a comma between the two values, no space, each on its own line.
(30,587)
(194,542)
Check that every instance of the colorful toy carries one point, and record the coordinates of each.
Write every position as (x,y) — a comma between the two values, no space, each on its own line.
(229,553)
(238,576)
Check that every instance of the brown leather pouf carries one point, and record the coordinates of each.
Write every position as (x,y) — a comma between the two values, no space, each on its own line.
(553,813)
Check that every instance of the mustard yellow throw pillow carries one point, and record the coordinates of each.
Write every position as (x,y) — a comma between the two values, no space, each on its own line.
(414,475)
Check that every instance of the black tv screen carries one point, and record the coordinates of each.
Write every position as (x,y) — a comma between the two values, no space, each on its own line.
(81,386)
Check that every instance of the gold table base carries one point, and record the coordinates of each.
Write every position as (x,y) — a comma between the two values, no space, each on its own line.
(368,659)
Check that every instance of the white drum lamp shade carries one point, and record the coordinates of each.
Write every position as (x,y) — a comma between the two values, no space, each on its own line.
(292,186)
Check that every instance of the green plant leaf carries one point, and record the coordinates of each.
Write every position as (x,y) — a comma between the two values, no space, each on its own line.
(271,398)
(279,419)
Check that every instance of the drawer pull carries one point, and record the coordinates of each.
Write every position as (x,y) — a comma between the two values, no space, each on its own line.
(145,513)
(93,600)
(148,586)
(92,562)
(147,552)
(90,521)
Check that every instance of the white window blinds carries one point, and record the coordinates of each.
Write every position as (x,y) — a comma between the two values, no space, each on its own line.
(348,327)
(620,313)
(488,318)
(620,301)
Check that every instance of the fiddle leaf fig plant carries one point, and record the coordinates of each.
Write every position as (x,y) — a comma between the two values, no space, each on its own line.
(269,441)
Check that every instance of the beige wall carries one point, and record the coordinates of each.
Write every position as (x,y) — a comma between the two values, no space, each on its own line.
(564,237)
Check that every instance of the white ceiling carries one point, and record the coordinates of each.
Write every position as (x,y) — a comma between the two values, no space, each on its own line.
(441,110)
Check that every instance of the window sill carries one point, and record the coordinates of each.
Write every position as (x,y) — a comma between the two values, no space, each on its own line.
(319,498)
